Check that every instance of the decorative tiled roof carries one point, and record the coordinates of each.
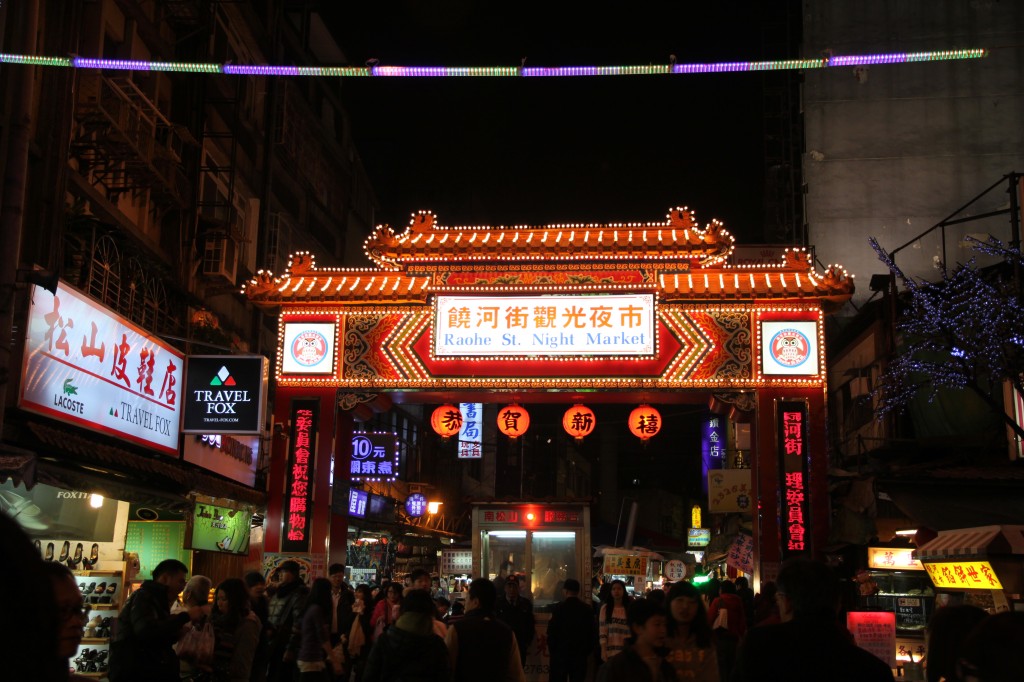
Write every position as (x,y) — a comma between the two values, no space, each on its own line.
(683,262)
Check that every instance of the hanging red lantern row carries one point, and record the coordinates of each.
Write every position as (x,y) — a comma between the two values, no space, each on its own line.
(644,422)
(446,421)
(579,421)
(513,420)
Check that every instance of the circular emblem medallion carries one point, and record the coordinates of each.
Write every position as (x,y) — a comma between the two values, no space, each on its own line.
(309,348)
(790,348)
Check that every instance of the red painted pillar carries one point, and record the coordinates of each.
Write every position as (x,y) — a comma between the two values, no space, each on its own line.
(319,524)
(342,461)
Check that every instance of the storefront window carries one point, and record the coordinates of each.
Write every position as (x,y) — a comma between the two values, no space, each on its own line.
(501,546)
(554,560)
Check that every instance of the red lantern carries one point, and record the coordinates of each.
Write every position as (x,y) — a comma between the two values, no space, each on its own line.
(579,421)
(513,420)
(446,421)
(644,422)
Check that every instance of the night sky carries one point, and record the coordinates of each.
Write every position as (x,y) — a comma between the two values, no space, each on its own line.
(536,151)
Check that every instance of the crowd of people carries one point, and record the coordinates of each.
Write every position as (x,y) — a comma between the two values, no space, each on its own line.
(327,631)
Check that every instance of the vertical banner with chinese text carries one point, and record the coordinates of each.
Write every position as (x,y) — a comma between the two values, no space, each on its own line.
(471,434)
(712,446)
(298,495)
(791,428)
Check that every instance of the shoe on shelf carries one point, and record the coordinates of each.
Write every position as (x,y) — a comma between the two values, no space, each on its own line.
(94,557)
(95,596)
(65,551)
(48,556)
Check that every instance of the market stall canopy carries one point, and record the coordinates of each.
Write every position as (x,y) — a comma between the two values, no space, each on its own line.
(973,542)
(605,550)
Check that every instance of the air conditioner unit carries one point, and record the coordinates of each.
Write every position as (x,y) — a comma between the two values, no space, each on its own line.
(220,257)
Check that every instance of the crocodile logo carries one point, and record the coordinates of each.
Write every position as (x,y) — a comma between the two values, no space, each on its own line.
(69,388)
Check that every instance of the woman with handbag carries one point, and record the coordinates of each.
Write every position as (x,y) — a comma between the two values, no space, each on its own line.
(315,633)
(237,632)
(359,635)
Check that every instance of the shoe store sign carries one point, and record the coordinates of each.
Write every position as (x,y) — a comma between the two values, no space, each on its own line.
(225,394)
(87,365)
(544,325)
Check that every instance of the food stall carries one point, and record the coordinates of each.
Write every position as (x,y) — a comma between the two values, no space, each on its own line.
(983,565)
(545,543)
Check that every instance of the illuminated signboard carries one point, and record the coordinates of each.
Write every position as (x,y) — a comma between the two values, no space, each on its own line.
(224,394)
(789,348)
(374,456)
(357,500)
(963,575)
(455,561)
(88,366)
(308,348)
(698,537)
(554,516)
(729,490)
(619,324)
(471,435)
(712,446)
(298,498)
(792,433)
(624,564)
(874,631)
(893,558)
(416,505)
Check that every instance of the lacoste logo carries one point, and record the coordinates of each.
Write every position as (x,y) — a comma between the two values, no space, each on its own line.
(223,378)
(69,388)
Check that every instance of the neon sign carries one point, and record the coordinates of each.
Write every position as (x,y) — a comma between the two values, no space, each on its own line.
(792,433)
(298,497)
(374,456)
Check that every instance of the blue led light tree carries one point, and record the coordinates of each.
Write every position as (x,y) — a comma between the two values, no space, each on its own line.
(963,332)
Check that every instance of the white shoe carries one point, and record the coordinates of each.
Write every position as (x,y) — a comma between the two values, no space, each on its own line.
(23,510)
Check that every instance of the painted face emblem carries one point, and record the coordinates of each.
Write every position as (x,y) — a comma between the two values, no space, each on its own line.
(309,348)
(790,348)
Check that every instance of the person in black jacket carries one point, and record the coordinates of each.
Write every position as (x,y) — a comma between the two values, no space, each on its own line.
(643,658)
(284,611)
(409,650)
(517,613)
(572,634)
(146,630)
(809,643)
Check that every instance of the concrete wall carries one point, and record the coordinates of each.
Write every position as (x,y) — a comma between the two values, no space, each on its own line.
(890,150)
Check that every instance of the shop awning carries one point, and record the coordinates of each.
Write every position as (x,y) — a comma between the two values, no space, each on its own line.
(973,542)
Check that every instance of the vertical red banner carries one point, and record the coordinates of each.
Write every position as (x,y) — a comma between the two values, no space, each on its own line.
(792,434)
(298,494)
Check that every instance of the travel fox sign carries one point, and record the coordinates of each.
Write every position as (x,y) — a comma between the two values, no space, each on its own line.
(224,394)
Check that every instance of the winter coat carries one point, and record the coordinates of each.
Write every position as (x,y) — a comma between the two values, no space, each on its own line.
(408,652)
(142,648)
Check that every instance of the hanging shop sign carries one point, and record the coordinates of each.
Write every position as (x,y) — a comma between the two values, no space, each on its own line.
(893,559)
(234,456)
(357,501)
(298,498)
(87,365)
(446,421)
(374,456)
(791,428)
(625,564)
(578,421)
(712,445)
(416,505)
(675,570)
(963,575)
(471,437)
(698,537)
(789,348)
(225,394)
(874,631)
(729,490)
(308,347)
(645,422)
(741,553)
(513,420)
(619,324)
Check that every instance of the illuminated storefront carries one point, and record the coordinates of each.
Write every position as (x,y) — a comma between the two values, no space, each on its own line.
(629,313)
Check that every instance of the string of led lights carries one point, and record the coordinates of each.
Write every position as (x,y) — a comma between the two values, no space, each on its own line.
(494,71)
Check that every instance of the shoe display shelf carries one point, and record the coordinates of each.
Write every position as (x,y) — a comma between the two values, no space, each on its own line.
(103,592)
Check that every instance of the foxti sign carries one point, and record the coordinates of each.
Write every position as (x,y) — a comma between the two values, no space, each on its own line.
(225,394)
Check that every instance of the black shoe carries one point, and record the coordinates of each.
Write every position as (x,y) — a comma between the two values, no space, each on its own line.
(94,557)
(64,552)
(49,552)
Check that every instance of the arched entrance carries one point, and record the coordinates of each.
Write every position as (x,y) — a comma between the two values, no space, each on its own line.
(627,312)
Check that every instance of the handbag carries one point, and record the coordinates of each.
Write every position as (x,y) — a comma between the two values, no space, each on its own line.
(196,645)
(721,620)
(356,639)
